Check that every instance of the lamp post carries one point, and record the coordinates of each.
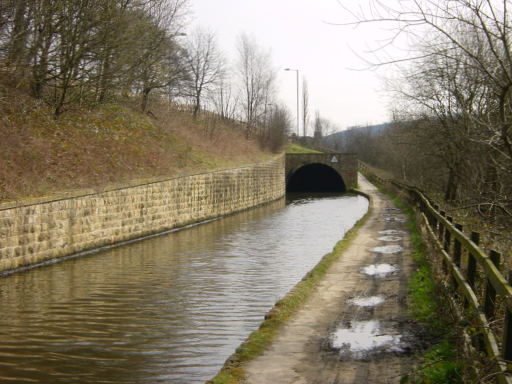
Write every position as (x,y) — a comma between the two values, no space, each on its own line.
(297,73)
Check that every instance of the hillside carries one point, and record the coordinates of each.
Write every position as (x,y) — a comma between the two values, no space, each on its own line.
(108,145)
(343,141)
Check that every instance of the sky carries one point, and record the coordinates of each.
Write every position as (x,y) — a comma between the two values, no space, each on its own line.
(300,34)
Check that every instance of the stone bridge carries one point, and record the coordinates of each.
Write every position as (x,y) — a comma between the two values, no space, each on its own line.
(322,172)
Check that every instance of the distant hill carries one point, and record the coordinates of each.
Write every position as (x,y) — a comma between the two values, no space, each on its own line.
(347,140)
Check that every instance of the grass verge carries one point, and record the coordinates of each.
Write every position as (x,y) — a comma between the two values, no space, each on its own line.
(233,372)
(295,148)
(440,363)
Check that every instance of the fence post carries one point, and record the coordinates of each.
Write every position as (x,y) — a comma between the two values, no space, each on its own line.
(446,245)
(456,247)
(475,238)
(507,330)
(440,232)
(456,254)
(447,236)
(434,219)
(490,292)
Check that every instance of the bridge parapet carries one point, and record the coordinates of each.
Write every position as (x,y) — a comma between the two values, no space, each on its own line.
(345,165)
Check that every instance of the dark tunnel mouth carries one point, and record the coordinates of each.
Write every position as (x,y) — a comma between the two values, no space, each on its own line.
(315,177)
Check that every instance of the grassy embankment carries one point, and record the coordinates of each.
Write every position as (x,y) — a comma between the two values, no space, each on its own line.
(296,148)
(108,145)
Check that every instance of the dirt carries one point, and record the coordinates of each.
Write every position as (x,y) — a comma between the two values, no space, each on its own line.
(354,328)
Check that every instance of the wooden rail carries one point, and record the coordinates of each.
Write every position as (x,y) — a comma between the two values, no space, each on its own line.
(475,276)
(367,170)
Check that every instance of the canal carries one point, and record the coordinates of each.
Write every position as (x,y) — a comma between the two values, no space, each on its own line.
(169,309)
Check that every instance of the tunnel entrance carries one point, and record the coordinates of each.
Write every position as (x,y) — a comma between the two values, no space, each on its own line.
(315,178)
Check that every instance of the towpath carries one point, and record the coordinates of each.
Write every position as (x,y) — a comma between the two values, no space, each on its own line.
(354,328)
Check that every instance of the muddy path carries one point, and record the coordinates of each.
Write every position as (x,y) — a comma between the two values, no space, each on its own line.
(354,328)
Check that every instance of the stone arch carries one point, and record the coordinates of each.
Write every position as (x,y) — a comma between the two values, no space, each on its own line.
(315,177)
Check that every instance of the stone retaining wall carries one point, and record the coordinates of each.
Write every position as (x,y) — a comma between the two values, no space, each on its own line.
(32,233)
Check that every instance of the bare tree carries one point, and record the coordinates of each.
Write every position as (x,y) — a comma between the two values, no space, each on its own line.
(279,126)
(79,50)
(75,20)
(224,100)
(257,80)
(459,77)
(319,128)
(159,62)
(204,64)
(18,34)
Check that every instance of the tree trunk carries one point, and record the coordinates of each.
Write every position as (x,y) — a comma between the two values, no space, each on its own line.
(451,187)
(40,68)
(17,44)
(195,111)
(105,77)
(145,98)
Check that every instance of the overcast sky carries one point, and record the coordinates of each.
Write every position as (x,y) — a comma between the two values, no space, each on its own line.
(300,36)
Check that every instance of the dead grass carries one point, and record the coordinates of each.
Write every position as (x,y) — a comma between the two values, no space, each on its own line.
(296,148)
(107,145)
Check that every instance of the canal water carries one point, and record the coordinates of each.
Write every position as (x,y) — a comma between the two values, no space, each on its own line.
(169,309)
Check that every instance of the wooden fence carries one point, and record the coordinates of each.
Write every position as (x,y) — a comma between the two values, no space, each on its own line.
(368,170)
(475,276)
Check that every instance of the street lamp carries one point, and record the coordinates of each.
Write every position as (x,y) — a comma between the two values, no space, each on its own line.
(297,72)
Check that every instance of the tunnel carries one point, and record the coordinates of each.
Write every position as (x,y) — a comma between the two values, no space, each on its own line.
(315,177)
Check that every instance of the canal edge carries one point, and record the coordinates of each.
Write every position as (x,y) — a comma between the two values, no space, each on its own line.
(232,371)
(47,232)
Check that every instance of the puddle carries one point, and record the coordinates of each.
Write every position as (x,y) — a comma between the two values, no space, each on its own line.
(390,238)
(379,270)
(371,301)
(392,209)
(395,248)
(392,232)
(393,219)
(362,338)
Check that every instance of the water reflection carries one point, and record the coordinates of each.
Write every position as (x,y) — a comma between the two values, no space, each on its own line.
(170,309)
(371,301)
(379,270)
(361,338)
